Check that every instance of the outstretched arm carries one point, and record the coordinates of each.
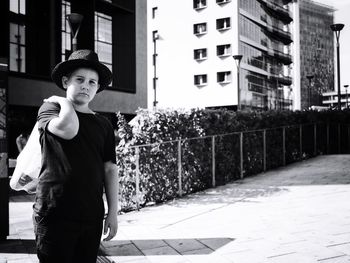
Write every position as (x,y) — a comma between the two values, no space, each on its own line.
(111,186)
(66,125)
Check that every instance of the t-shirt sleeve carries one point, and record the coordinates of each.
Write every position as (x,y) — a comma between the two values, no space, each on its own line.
(109,147)
(47,112)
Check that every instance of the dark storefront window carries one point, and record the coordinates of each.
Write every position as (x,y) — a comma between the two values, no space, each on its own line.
(17,36)
(66,33)
(103,38)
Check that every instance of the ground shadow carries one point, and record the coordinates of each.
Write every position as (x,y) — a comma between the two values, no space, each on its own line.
(189,246)
(147,247)
(18,246)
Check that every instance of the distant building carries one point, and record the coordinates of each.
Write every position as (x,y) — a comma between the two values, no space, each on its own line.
(190,49)
(316,45)
(330,99)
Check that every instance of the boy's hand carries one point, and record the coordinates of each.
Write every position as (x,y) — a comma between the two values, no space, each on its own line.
(57,99)
(111,223)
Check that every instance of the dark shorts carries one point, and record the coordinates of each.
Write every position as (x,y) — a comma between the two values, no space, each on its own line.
(66,241)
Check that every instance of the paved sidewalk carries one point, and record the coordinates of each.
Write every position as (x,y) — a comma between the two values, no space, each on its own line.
(298,213)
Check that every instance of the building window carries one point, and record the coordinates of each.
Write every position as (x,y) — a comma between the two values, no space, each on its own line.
(17,48)
(223,23)
(200,80)
(154,12)
(199,4)
(224,77)
(223,50)
(65,31)
(200,29)
(103,38)
(18,6)
(200,54)
(221,2)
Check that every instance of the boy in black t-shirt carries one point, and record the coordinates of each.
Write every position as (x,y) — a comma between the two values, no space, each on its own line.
(78,160)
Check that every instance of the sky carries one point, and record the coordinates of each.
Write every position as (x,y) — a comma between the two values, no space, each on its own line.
(342,15)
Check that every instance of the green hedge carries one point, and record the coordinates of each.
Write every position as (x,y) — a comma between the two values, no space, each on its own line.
(157,135)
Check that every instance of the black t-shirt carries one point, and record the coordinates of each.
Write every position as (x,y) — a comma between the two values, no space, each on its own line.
(71,179)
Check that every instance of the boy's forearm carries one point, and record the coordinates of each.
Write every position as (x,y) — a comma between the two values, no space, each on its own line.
(111,186)
(66,125)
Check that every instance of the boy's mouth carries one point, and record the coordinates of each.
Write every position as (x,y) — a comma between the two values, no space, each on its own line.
(84,94)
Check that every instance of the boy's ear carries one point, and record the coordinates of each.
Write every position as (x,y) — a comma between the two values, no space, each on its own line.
(64,82)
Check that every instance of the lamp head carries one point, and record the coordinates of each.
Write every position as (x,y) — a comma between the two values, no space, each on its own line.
(74,21)
(337,27)
(310,77)
(237,57)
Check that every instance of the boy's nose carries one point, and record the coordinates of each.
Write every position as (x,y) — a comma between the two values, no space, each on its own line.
(84,86)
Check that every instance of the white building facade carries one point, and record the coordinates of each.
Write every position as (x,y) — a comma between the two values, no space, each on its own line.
(191,44)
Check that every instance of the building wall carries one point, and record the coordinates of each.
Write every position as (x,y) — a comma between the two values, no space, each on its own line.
(316,51)
(176,66)
(129,90)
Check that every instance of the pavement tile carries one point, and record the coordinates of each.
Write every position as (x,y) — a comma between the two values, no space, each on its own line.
(149,244)
(117,248)
(215,243)
(129,259)
(165,250)
(184,245)
(167,259)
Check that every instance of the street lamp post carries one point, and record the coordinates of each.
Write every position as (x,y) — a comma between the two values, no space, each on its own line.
(309,77)
(336,28)
(238,59)
(74,21)
(346,94)
(155,37)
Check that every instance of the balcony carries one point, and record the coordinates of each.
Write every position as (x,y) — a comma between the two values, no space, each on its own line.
(281,79)
(279,11)
(285,58)
(285,80)
(284,36)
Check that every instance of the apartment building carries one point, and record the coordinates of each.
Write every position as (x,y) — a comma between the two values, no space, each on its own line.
(191,44)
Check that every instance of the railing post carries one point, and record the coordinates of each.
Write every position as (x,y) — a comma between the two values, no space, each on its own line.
(315,139)
(339,141)
(241,154)
(137,183)
(264,150)
(301,140)
(328,151)
(284,145)
(213,160)
(179,167)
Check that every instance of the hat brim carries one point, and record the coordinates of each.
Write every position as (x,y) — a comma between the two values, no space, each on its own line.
(68,66)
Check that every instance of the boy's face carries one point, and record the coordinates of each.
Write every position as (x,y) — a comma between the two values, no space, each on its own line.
(81,86)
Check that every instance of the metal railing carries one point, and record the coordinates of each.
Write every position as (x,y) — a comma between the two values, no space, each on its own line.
(295,143)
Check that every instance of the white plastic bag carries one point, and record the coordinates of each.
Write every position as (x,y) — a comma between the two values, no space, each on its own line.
(26,173)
